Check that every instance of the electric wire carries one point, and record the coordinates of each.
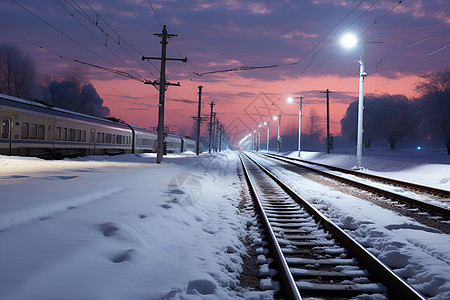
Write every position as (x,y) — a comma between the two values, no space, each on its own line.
(170,40)
(245,68)
(118,72)
(378,19)
(61,32)
(95,23)
(101,42)
(120,37)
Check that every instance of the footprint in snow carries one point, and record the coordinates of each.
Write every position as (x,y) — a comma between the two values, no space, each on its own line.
(108,228)
(121,257)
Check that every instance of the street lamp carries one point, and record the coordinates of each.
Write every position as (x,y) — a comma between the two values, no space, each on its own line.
(278,136)
(259,136)
(300,99)
(350,41)
(267,123)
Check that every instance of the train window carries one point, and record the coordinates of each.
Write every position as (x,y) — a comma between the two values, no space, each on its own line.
(33,131)
(83,136)
(113,138)
(92,136)
(49,131)
(40,132)
(118,140)
(72,134)
(78,138)
(58,133)
(108,138)
(98,137)
(5,128)
(25,130)
(64,134)
(103,137)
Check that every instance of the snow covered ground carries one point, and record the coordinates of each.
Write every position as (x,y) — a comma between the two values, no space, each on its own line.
(123,227)
(120,228)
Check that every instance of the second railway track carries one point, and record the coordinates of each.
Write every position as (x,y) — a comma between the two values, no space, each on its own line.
(314,257)
(435,216)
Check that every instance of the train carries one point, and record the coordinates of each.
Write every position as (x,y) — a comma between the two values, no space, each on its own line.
(31,128)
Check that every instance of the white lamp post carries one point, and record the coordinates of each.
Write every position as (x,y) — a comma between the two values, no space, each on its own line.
(267,123)
(300,99)
(259,136)
(278,135)
(350,41)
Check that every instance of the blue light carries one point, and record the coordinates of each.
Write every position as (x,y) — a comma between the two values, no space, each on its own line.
(418,147)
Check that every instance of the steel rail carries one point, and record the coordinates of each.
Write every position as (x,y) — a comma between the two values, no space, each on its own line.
(395,284)
(290,288)
(421,204)
(429,189)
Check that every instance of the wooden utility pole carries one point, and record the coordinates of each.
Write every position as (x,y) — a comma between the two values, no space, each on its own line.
(217,135)
(211,126)
(162,86)
(199,118)
(328,119)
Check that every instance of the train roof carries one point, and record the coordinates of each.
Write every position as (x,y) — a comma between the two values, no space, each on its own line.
(39,106)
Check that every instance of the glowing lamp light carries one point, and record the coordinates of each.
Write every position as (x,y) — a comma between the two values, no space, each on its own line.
(290,99)
(275,117)
(349,41)
(418,147)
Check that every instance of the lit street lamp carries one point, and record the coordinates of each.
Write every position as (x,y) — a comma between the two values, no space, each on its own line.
(278,136)
(259,137)
(350,41)
(300,99)
(267,123)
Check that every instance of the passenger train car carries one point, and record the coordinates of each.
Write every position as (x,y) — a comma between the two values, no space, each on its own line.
(31,128)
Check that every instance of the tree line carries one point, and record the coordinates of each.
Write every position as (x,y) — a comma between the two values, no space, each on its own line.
(72,91)
(397,119)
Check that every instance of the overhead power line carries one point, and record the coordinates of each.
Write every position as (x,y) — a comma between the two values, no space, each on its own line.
(118,72)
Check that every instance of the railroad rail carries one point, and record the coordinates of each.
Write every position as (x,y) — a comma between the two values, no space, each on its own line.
(431,208)
(314,257)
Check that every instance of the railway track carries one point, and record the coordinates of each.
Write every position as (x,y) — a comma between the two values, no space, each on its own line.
(436,216)
(314,257)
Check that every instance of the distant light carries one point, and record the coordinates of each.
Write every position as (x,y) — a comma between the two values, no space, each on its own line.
(290,99)
(349,41)
(418,147)
(265,123)
(275,117)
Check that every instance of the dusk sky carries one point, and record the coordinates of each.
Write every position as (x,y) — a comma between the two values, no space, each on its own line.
(300,37)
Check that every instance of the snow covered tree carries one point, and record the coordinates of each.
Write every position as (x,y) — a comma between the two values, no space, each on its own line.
(434,105)
(18,75)
(386,116)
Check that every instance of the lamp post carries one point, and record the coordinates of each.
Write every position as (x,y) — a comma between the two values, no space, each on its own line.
(300,100)
(267,123)
(278,135)
(259,137)
(350,41)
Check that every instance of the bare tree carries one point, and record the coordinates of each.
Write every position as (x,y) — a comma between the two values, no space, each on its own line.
(312,125)
(386,116)
(434,105)
(18,76)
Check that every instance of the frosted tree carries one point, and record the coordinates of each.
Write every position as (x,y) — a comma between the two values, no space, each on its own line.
(434,105)
(18,76)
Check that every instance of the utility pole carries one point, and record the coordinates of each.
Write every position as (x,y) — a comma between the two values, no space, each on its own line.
(328,118)
(162,88)
(199,117)
(217,135)
(213,131)
(210,125)
(220,138)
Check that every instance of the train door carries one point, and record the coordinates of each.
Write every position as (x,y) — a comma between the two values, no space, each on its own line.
(6,133)
(92,142)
